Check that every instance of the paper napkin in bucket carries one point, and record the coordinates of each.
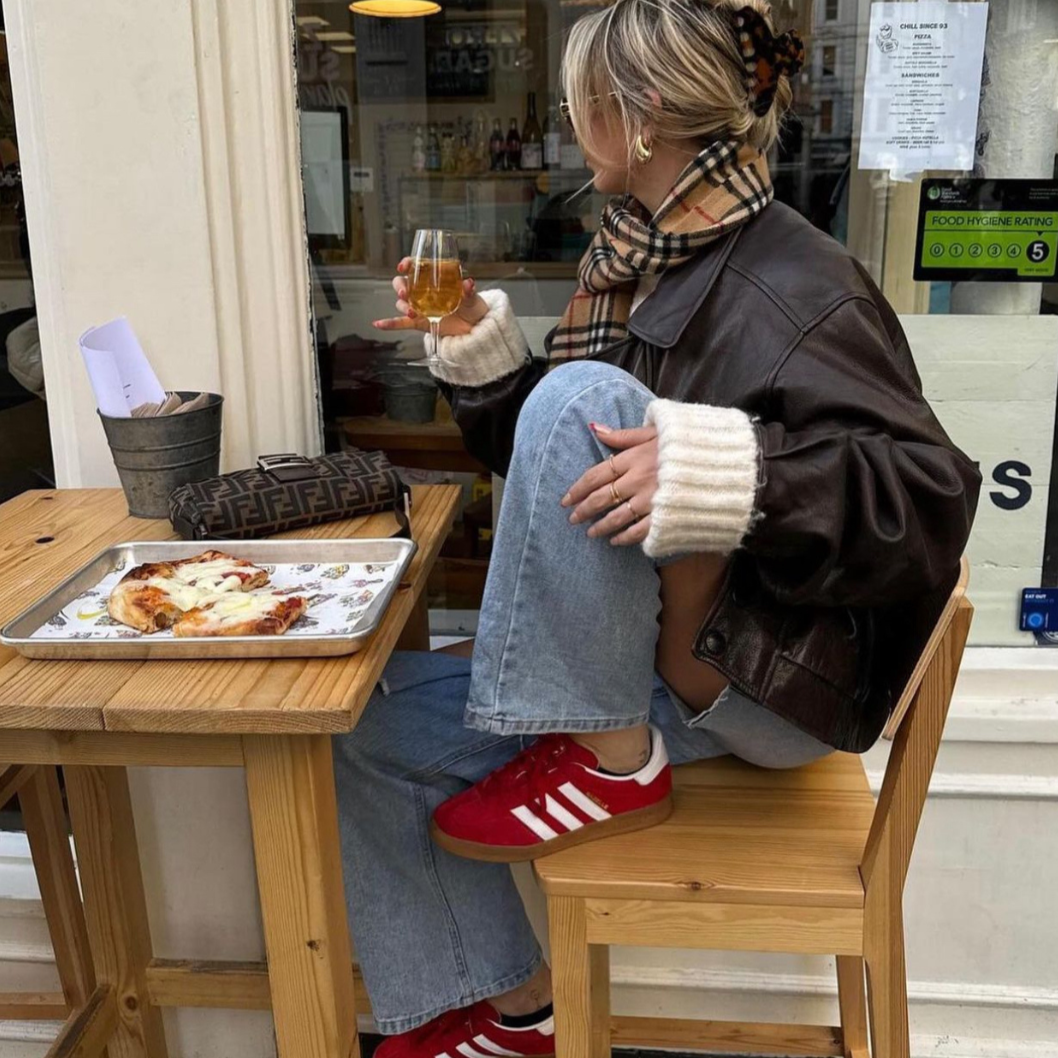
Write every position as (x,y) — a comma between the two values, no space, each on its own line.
(123,381)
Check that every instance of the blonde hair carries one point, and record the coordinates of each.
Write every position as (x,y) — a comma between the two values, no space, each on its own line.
(687,53)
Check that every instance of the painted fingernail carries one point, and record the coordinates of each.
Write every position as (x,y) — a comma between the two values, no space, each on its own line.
(599,428)
(593,427)
(411,314)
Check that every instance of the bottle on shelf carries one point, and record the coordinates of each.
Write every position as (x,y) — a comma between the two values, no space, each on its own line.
(497,146)
(448,150)
(480,148)
(532,138)
(433,150)
(418,151)
(513,147)
(464,157)
(552,138)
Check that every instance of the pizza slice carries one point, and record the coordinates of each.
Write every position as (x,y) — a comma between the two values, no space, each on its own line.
(264,613)
(153,596)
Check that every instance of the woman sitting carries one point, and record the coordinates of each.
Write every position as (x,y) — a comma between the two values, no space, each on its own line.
(729,521)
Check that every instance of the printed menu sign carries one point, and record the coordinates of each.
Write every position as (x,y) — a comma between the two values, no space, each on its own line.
(991,231)
(923,86)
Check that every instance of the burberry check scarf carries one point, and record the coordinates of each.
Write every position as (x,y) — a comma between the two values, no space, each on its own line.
(723,187)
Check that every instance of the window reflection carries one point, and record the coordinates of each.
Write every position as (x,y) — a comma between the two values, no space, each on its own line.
(451,121)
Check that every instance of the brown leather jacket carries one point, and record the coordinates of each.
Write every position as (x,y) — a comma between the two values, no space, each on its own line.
(865,503)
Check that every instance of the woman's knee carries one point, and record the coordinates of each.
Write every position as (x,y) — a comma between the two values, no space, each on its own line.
(581,392)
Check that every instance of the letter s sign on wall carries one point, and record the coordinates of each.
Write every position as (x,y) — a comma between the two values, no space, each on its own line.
(1011,474)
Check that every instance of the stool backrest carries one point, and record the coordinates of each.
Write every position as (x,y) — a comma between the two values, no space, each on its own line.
(915,727)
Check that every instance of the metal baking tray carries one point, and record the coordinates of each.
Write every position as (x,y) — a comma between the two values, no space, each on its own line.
(19,632)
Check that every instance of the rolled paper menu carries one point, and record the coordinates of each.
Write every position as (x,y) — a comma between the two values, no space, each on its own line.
(124,384)
(121,377)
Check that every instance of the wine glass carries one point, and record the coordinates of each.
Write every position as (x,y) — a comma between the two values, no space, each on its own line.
(436,281)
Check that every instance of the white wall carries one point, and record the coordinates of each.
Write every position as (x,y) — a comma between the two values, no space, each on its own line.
(142,199)
(991,381)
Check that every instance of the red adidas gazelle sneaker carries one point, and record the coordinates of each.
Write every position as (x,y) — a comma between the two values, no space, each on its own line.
(475,1032)
(549,797)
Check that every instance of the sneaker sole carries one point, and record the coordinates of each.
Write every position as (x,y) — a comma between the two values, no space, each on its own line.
(639,819)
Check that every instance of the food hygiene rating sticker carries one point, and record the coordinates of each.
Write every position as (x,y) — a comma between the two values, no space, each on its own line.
(991,231)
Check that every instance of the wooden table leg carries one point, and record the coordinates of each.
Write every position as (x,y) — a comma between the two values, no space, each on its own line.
(294,815)
(416,633)
(114,904)
(49,843)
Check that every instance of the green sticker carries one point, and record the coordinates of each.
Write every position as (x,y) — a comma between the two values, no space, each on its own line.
(987,230)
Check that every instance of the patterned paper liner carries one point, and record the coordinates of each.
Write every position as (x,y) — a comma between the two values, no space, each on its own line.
(339,595)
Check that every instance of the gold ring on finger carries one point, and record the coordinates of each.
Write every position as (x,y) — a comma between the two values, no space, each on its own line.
(614,494)
(631,510)
(616,472)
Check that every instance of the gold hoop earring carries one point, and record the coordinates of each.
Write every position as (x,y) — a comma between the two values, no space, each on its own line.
(642,150)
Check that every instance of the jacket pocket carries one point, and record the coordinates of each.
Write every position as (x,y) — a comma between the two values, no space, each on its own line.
(830,643)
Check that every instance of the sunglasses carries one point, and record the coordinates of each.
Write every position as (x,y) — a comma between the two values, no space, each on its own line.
(567,114)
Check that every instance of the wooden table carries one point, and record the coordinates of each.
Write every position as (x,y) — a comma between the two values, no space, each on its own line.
(273,718)
(436,445)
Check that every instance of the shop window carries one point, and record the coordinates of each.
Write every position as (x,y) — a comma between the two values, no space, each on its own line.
(451,121)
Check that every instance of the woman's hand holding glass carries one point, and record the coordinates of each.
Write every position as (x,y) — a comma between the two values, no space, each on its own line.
(470,310)
(619,491)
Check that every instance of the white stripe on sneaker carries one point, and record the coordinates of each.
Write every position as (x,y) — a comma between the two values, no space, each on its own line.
(583,802)
(537,826)
(468,1052)
(562,814)
(544,1028)
(487,1045)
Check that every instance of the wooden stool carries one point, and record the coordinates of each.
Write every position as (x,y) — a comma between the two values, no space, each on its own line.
(42,810)
(755,860)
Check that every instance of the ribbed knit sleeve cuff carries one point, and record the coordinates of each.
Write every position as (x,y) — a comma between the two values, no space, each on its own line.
(495,347)
(708,466)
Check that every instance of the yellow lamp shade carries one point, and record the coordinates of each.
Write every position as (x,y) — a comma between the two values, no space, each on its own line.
(395,8)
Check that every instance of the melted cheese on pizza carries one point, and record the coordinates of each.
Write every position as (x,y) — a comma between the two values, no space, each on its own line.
(187,596)
(262,613)
(244,606)
(215,569)
(154,595)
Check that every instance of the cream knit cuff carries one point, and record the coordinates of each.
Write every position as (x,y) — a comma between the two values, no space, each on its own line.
(494,348)
(708,466)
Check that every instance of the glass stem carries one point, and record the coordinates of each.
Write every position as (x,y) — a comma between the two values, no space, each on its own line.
(435,345)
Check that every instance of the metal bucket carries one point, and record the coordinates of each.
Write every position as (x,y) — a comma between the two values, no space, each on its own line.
(409,394)
(155,455)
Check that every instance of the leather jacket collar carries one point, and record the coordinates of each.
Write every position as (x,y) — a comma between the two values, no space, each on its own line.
(662,318)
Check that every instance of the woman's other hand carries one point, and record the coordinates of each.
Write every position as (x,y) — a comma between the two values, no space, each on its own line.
(471,309)
(621,488)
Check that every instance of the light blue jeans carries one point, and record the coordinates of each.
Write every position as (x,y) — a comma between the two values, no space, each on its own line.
(565,643)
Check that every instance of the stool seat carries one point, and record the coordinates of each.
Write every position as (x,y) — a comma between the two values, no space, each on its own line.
(737,834)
